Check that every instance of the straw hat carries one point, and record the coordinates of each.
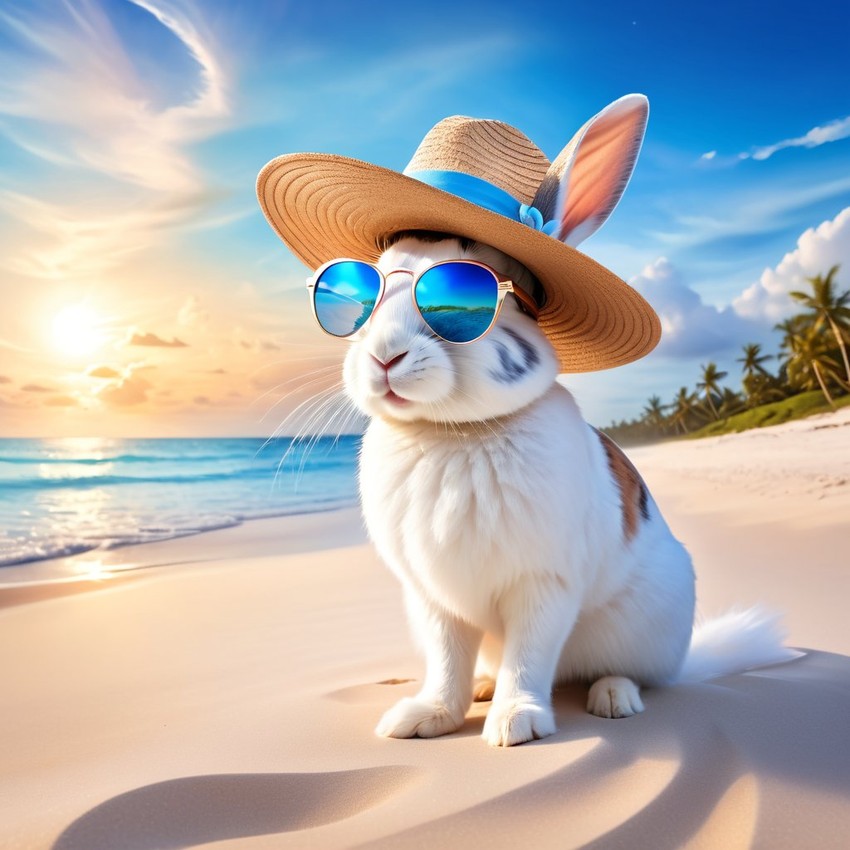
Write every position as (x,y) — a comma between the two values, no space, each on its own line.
(486,181)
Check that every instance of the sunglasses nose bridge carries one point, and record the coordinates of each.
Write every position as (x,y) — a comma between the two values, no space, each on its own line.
(391,287)
(393,323)
(397,271)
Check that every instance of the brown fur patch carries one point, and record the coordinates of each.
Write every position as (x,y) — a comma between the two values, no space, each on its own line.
(633,492)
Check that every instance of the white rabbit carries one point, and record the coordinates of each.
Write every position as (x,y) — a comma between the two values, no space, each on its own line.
(523,538)
(529,548)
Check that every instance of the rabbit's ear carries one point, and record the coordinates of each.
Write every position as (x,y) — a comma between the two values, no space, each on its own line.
(586,180)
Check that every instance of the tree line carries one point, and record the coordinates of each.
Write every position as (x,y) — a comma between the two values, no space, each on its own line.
(812,356)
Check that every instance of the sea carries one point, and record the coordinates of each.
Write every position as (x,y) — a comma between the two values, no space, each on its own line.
(61,497)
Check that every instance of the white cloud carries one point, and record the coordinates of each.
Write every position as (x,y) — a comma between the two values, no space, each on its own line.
(65,239)
(832,132)
(748,212)
(192,314)
(818,249)
(73,98)
(709,155)
(693,329)
(690,328)
(128,391)
(75,73)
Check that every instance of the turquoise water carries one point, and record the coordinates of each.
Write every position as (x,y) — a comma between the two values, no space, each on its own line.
(63,497)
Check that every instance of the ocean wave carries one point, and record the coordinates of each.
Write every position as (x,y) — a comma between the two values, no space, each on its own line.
(125,458)
(59,499)
(89,481)
(44,551)
(30,551)
(254,448)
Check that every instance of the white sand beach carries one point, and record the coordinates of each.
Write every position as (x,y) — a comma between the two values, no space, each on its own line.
(223,690)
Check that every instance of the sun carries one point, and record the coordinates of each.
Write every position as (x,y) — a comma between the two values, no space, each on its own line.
(76,330)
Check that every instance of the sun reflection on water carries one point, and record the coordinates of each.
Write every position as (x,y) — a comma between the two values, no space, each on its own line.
(93,569)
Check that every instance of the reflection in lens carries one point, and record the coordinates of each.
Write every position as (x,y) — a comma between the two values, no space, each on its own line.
(345,296)
(457,300)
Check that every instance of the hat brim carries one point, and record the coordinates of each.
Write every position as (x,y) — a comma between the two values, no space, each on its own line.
(324,206)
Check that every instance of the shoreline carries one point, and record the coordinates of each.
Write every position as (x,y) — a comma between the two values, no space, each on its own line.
(233,522)
(96,569)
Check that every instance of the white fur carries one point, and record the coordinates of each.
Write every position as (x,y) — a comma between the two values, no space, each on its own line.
(493,503)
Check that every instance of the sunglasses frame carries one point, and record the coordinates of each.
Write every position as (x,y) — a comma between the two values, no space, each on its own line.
(504,286)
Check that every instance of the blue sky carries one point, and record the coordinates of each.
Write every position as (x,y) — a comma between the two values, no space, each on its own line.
(131,135)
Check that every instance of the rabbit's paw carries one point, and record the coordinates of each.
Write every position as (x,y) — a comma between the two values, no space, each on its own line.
(517,720)
(614,696)
(483,690)
(413,717)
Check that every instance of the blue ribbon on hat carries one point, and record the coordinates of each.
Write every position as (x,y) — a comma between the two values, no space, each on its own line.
(486,195)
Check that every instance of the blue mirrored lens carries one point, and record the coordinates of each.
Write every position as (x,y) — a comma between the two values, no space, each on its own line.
(345,295)
(457,300)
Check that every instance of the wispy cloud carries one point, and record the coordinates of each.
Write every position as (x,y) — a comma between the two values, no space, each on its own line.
(106,372)
(72,239)
(391,86)
(831,132)
(212,100)
(749,211)
(72,96)
(129,391)
(77,74)
(421,73)
(154,341)
(61,401)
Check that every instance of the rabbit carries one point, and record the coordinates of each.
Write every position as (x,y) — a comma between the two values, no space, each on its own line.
(528,547)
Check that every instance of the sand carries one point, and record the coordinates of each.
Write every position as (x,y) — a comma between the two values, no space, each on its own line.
(222,689)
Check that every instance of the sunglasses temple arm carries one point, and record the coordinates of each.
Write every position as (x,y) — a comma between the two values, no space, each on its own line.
(525,300)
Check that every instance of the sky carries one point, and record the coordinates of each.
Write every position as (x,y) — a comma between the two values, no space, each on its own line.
(142,293)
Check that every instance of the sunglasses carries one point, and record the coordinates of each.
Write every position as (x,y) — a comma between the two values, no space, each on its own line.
(459,300)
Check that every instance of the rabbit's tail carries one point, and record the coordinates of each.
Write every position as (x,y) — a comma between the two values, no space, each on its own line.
(734,642)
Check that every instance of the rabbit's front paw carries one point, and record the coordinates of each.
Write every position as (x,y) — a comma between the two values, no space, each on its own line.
(517,720)
(614,696)
(413,717)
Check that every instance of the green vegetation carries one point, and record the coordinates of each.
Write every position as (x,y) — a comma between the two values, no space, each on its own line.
(813,376)
(796,407)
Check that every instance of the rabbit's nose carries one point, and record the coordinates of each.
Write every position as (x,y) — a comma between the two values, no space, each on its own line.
(386,365)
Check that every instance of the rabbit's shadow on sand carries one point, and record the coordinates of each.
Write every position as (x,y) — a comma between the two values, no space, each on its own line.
(787,723)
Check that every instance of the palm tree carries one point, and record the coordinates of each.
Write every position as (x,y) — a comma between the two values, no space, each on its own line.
(710,384)
(684,406)
(653,413)
(730,402)
(758,382)
(791,328)
(762,389)
(828,307)
(809,362)
(753,358)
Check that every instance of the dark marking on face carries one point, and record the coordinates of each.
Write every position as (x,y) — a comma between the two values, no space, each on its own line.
(512,370)
(529,352)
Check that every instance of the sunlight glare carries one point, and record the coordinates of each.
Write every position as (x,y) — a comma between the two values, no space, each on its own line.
(77,330)
(94,570)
